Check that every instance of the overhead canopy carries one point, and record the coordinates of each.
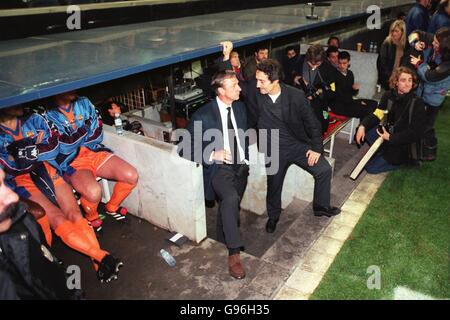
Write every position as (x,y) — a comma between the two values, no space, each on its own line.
(43,66)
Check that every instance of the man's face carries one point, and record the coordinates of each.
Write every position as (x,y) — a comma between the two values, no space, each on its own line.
(16,111)
(343,65)
(333,58)
(66,98)
(404,83)
(113,110)
(234,59)
(262,55)
(314,64)
(8,201)
(334,43)
(263,83)
(291,54)
(230,89)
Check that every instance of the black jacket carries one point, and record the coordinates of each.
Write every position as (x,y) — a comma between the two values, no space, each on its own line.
(298,115)
(249,68)
(396,150)
(344,91)
(27,268)
(386,61)
(291,68)
(325,78)
(209,118)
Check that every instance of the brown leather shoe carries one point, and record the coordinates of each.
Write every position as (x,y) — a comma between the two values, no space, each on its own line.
(235,267)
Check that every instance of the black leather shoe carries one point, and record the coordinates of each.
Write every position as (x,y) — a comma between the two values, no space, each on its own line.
(326,211)
(271,225)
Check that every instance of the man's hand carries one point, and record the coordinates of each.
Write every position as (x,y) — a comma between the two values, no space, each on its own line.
(34,208)
(360,134)
(419,46)
(385,134)
(415,38)
(355,86)
(222,156)
(313,157)
(297,80)
(414,60)
(227,48)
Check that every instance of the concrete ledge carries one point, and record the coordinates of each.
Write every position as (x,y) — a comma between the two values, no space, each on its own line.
(297,184)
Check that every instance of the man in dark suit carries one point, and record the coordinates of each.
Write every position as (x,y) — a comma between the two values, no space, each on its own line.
(225,165)
(285,108)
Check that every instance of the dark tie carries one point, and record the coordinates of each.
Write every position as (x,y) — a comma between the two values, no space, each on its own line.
(232,138)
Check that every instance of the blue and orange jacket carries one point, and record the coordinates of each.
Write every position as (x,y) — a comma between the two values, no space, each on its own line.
(23,150)
(78,125)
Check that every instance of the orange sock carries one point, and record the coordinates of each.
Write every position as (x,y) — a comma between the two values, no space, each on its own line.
(75,238)
(121,191)
(89,233)
(90,209)
(45,225)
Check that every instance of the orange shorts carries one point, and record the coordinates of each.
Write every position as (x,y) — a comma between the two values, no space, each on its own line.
(25,181)
(90,160)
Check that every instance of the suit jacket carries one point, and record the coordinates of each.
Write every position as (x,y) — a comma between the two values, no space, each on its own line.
(209,117)
(298,115)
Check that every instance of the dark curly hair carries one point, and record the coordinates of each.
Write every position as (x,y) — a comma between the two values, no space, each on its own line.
(271,68)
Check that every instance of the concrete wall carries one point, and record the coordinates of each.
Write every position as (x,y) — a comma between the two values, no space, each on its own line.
(169,193)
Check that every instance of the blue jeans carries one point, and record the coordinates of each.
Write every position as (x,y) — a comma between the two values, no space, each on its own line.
(377,163)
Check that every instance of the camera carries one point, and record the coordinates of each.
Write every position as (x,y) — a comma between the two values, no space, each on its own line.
(388,128)
(311,91)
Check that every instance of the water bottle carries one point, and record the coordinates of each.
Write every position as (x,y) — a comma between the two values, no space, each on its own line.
(375,49)
(371,47)
(168,258)
(118,124)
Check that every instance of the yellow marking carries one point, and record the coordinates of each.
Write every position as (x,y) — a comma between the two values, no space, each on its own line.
(379,114)
(333,86)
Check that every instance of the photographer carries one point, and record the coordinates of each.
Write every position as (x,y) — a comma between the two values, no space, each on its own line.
(405,123)
(435,82)
(317,81)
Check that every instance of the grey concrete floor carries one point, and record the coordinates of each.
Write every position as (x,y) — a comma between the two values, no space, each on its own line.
(201,271)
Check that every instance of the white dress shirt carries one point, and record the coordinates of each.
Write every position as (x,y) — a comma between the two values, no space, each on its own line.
(223,108)
(275,96)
